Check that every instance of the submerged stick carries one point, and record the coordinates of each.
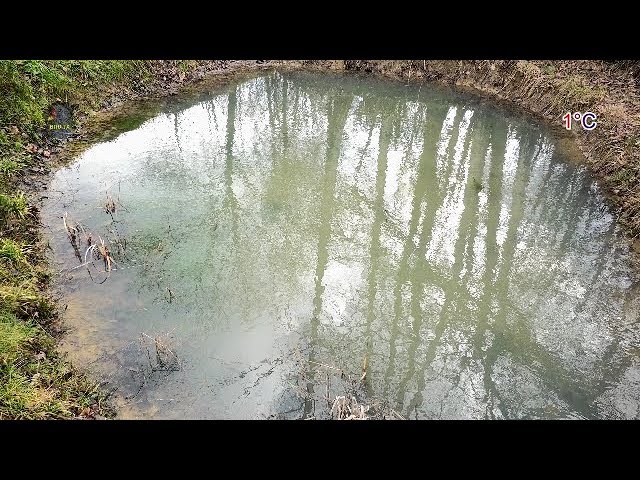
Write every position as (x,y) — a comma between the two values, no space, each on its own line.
(326,366)
(72,234)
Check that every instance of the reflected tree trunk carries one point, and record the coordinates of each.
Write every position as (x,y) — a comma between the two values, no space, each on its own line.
(384,138)
(453,287)
(338,109)
(231,203)
(426,170)
(469,221)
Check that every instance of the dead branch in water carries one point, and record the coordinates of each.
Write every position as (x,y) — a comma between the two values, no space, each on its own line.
(166,359)
(398,416)
(110,206)
(72,234)
(346,407)
(87,235)
(100,252)
(71,231)
(353,402)
(104,252)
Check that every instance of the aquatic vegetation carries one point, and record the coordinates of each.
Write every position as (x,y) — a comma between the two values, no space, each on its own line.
(477,185)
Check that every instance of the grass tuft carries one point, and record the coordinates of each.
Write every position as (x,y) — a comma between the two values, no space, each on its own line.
(12,251)
(13,205)
(35,382)
(9,166)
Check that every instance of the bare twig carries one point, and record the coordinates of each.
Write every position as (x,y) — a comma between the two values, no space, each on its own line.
(328,398)
(400,417)
(163,350)
(110,206)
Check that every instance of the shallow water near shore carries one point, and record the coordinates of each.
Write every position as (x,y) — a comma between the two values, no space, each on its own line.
(275,236)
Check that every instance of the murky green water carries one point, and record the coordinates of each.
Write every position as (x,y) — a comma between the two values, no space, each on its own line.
(287,223)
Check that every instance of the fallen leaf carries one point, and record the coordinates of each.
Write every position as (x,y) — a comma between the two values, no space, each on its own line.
(40,356)
(13,129)
(31,148)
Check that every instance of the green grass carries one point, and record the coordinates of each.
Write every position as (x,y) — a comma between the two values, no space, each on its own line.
(9,166)
(577,91)
(13,205)
(26,301)
(625,178)
(28,87)
(12,251)
(35,382)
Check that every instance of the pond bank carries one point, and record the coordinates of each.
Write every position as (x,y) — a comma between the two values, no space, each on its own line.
(518,82)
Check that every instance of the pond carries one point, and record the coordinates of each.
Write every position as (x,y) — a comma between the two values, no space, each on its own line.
(284,235)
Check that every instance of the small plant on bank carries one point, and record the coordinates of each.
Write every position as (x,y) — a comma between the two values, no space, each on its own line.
(35,382)
(12,251)
(13,205)
(9,167)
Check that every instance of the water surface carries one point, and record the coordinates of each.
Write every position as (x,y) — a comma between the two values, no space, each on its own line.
(289,223)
